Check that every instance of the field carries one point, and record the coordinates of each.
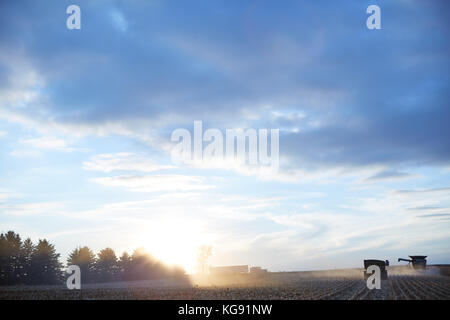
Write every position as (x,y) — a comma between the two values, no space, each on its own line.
(331,285)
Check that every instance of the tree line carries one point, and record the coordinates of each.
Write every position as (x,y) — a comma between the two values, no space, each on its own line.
(23,262)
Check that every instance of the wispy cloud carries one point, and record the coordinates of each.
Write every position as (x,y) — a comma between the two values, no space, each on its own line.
(49,143)
(155,183)
(431,191)
(32,153)
(118,20)
(389,175)
(35,209)
(434,215)
(5,195)
(123,162)
(426,208)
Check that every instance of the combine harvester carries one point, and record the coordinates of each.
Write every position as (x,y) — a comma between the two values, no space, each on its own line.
(416,262)
(380,263)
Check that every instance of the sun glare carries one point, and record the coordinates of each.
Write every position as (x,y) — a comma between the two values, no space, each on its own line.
(174,242)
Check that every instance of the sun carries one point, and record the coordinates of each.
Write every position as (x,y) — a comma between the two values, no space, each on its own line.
(174,242)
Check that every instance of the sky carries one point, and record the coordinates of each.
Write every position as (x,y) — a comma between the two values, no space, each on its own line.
(86,118)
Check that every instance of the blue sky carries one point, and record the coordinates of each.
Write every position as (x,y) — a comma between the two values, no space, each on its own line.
(86,117)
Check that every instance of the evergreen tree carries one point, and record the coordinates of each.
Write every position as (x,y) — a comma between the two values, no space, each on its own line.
(143,266)
(124,266)
(26,263)
(45,265)
(85,259)
(10,268)
(26,256)
(3,260)
(107,265)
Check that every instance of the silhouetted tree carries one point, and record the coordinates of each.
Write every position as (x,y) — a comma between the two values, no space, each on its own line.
(143,267)
(3,259)
(106,265)
(124,266)
(10,268)
(26,256)
(140,265)
(85,259)
(26,263)
(45,265)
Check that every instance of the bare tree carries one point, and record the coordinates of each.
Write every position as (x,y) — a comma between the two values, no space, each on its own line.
(204,253)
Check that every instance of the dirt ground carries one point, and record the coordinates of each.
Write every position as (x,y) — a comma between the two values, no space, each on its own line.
(403,284)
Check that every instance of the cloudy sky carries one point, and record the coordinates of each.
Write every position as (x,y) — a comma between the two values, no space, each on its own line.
(86,118)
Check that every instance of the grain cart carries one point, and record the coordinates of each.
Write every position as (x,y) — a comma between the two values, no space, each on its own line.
(380,263)
(416,262)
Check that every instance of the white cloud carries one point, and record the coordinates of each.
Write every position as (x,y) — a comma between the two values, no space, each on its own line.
(408,206)
(47,143)
(123,162)
(155,183)
(5,195)
(36,208)
(25,153)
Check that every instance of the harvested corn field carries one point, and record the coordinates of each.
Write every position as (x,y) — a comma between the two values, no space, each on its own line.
(276,286)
